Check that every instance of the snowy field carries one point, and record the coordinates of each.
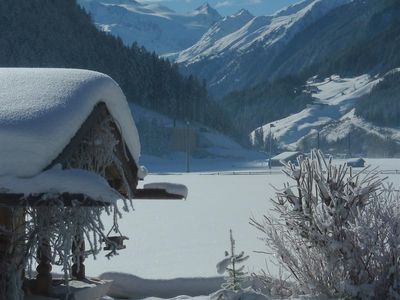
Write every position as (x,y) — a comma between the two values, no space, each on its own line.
(170,239)
(186,239)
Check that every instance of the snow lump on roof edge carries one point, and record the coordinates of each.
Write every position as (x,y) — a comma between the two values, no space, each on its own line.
(42,109)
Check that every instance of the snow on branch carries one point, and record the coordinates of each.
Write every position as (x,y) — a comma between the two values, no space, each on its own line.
(336,232)
(62,226)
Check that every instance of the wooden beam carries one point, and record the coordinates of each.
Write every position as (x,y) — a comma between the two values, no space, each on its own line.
(37,200)
(68,200)
(12,246)
(155,194)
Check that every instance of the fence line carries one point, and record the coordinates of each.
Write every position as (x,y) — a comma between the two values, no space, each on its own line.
(279,171)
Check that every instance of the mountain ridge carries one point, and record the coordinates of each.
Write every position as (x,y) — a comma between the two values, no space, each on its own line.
(228,62)
(156,27)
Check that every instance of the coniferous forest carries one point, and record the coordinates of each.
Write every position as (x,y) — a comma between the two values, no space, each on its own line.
(49,33)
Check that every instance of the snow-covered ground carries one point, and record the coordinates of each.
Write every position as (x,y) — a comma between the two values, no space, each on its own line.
(213,144)
(170,239)
(174,246)
(332,114)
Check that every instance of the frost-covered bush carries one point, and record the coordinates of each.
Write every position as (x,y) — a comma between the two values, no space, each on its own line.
(336,232)
(280,287)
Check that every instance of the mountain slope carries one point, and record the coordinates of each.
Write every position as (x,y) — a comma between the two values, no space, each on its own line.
(353,39)
(219,30)
(153,26)
(236,60)
(266,102)
(49,33)
(332,120)
(382,106)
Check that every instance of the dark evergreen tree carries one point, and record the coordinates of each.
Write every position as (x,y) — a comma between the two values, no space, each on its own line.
(50,33)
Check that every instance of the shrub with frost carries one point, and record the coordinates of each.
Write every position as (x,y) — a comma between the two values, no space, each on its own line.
(336,232)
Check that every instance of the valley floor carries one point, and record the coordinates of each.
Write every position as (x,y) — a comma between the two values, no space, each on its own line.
(186,239)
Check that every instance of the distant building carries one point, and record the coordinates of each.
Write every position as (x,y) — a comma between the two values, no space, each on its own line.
(286,157)
(356,163)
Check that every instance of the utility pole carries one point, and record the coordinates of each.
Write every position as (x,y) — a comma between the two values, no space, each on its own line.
(349,145)
(270,145)
(187,147)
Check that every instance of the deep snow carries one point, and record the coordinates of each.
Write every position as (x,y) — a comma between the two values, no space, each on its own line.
(54,181)
(170,239)
(42,109)
(176,244)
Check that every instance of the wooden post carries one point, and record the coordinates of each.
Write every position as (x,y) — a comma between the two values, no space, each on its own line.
(43,277)
(43,280)
(5,244)
(78,251)
(11,247)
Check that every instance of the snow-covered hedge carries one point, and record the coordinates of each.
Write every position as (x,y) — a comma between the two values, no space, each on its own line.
(336,232)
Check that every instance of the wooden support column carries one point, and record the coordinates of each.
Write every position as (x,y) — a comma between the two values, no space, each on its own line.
(78,251)
(5,245)
(43,280)
(43,277)
(11,247)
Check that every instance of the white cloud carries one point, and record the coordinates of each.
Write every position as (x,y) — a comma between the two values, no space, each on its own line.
(153,1)
(223,3)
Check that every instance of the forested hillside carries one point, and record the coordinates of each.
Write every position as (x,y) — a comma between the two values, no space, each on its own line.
(382,105)
(266,102)
(50,33)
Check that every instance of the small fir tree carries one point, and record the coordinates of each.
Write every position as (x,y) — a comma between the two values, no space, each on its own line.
(236,275)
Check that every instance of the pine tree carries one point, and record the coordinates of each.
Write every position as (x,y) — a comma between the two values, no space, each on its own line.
(236,275)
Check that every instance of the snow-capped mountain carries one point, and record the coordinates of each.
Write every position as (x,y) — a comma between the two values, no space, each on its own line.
(228,57)
(220,29)
(331,117)
(153,26)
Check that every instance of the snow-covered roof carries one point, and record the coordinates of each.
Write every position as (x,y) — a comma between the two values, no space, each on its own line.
(42,109)
(56,181)
(286,155)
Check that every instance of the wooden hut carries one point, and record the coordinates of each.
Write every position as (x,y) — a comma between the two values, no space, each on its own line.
(69,149)
(356,163)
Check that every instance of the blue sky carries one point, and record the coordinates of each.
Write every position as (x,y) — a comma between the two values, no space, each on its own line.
(227,7)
